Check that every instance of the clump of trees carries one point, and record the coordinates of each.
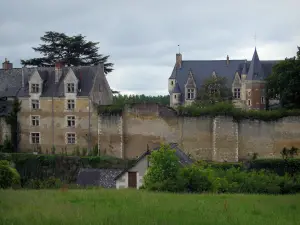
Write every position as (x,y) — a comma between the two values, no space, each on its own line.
(284,83)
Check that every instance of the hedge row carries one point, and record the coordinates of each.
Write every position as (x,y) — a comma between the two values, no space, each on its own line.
(66,168)
(219,109)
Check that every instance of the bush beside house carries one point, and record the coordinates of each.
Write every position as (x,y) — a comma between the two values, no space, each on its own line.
(261,177)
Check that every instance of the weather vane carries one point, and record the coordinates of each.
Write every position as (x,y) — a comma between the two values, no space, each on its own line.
(178,48)
(255,39)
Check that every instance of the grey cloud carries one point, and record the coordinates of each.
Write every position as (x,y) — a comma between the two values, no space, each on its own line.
(142,36)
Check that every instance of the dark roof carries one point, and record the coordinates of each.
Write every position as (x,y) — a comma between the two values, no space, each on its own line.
(203,69)
(11,80)
(176,88)
(97,177)
(255,71)
(183,158)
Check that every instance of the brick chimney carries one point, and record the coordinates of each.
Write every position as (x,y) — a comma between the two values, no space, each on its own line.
(6,65)
(227,60)
(178,60)
(58,70)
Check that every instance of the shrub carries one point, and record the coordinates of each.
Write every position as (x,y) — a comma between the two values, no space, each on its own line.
(278,166)
(9,176)
(163,173)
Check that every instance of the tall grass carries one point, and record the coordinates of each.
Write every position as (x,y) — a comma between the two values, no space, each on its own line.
(130,207)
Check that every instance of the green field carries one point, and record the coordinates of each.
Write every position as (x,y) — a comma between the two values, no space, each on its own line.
(132,207)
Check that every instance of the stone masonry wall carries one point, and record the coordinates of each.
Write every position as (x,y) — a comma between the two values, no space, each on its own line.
(218,139)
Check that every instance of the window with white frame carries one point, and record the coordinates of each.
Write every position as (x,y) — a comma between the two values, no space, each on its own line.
(262,100)
(237,93)
(71,121)
(35,120)
(35,138)
(190,93)
(70,104)
(35,88)
(35,104)
(70,88)
(71,138)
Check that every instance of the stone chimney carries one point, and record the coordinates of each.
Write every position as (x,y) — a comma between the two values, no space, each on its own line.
(6,65)
(178,60)
(227,60)
(58,70)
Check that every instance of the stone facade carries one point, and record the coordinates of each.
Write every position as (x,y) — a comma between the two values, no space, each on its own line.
(56,135)
(218,139)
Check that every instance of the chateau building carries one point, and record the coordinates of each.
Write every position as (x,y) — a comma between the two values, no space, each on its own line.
(58,104)
(245,79)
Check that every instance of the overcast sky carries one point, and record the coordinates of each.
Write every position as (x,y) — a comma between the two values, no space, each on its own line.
(142,36)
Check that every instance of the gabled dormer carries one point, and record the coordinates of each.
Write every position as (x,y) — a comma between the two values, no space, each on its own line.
(190,87)
(71,83)
(35,84)
(236,86)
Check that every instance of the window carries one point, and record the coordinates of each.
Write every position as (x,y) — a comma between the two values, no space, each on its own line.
(237,93)
(35,138)
(35,104)
(262,100)
(175,96)
(249,102)
(35,88)
(35,120)
(249,93)
(172,82)
(190,93)
(70,87)
(71,104)
(71,121)
(71,138)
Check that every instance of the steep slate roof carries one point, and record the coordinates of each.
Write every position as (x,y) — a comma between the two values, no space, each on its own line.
(176,88)
(97,177)
(183,158)
(203,69)
(11,80)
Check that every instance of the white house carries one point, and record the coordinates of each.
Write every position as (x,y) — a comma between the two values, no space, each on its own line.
(132,177)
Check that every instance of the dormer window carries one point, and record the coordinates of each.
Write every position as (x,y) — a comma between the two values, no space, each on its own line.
(190,93)
(35,88)
(70,88)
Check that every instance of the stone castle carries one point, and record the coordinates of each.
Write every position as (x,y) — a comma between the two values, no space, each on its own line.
(245,79)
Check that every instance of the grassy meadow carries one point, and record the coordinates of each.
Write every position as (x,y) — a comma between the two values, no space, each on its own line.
(131,207)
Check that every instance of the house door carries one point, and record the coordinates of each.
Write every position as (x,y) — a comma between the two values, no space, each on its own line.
(132,179)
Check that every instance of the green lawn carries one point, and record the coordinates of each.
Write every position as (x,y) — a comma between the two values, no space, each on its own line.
(132,207)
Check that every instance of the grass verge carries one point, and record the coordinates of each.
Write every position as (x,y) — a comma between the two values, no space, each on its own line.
(130,207)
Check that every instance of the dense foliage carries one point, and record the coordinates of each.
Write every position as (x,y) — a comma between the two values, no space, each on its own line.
(71,50)
(65,168)
(164,169)
(228,109)
(284,83)
(164,175)
(213,90)
(12,120)
(120,101)
(9,176)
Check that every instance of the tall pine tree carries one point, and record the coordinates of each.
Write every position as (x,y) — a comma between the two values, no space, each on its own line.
(72,50)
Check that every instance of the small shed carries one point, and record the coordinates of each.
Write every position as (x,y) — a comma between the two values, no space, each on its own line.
(132,177)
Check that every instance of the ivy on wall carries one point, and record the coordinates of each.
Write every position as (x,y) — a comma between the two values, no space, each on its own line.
(12,120)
